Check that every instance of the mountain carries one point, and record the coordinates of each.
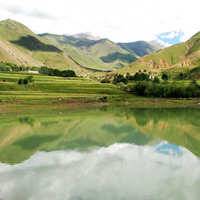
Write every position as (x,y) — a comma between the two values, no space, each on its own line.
(141,48)
(112,54)
(183,56)
(76,48)
(21,46)
(102,54)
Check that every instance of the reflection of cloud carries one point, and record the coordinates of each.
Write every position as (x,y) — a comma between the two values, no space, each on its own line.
(121,171)
(168,149)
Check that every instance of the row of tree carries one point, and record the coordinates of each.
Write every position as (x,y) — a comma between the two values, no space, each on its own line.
(164,90)
(143,85)
(138,77)
(56,72)
(9,67)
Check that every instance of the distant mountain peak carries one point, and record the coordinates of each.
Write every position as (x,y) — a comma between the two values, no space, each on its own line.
(87,35)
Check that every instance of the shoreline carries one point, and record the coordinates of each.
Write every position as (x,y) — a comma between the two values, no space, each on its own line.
(23,105)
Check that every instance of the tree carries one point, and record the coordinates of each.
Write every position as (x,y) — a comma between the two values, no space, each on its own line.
(120,78)
(156,80)
(165,77)
(20,81)
(105,80)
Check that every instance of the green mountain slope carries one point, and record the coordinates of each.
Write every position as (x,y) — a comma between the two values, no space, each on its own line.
(112,54)
(100,55)
(141,48)
(43,52)
(76,48)
(180,55)
(9,53)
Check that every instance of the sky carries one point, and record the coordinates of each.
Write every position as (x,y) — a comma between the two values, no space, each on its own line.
(165,21)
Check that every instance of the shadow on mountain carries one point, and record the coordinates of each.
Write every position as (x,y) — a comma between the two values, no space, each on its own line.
(26,120)
(117,130)
(34,142)
(118,56)
(33,44)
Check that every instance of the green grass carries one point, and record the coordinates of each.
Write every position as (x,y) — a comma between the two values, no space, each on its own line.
(47,87)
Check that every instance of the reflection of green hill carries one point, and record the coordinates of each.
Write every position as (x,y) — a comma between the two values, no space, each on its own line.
(72,130)
(176,125)
(22,136)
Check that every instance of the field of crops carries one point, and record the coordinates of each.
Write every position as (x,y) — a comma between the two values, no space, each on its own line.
(48,87)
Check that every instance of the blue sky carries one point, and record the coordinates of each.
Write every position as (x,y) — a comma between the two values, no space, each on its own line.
(117,20)
(170,38)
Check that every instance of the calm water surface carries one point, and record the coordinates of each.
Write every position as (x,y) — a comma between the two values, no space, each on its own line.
(104,153)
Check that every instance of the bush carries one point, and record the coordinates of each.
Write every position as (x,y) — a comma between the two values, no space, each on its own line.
(140,87)
(156,80)
(103,99)
(20,81)
(165,77)
(25,81)
(105,80)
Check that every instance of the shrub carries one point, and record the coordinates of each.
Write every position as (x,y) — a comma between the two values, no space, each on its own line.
(20,81)
(105,80)
(165,77)
(103,99)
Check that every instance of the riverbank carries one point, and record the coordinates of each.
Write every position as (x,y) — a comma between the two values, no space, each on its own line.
(31,104)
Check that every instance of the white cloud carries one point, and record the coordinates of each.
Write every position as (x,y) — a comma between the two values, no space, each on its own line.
(171,35)
(121,171)
(120,21)
(166,44)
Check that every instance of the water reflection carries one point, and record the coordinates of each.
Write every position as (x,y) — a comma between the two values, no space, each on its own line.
(101,153)
(120,171)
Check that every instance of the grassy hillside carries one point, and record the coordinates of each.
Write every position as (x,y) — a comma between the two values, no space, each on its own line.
(100,55)
(111,53)
(36,47)
(177,56)
(141,48)
(9,53)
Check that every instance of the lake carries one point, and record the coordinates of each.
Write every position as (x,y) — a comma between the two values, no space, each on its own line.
(101,153)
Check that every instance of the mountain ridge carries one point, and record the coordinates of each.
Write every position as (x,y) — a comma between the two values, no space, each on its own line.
(182,55)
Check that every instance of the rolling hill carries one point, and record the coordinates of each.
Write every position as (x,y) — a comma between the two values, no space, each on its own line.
(21,46)
(180,56)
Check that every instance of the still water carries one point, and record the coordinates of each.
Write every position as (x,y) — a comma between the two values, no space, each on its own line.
(104,153)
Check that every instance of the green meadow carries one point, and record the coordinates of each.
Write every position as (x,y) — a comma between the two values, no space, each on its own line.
(49,87)
(50,91)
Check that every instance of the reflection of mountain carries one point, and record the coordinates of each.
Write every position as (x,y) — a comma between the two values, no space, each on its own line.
(22,136)
(176,125)
(72,130)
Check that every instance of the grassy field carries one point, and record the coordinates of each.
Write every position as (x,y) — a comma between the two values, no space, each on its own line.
(47,87)
(49,91)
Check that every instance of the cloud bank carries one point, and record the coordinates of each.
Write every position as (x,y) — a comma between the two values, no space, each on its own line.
(120,21)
